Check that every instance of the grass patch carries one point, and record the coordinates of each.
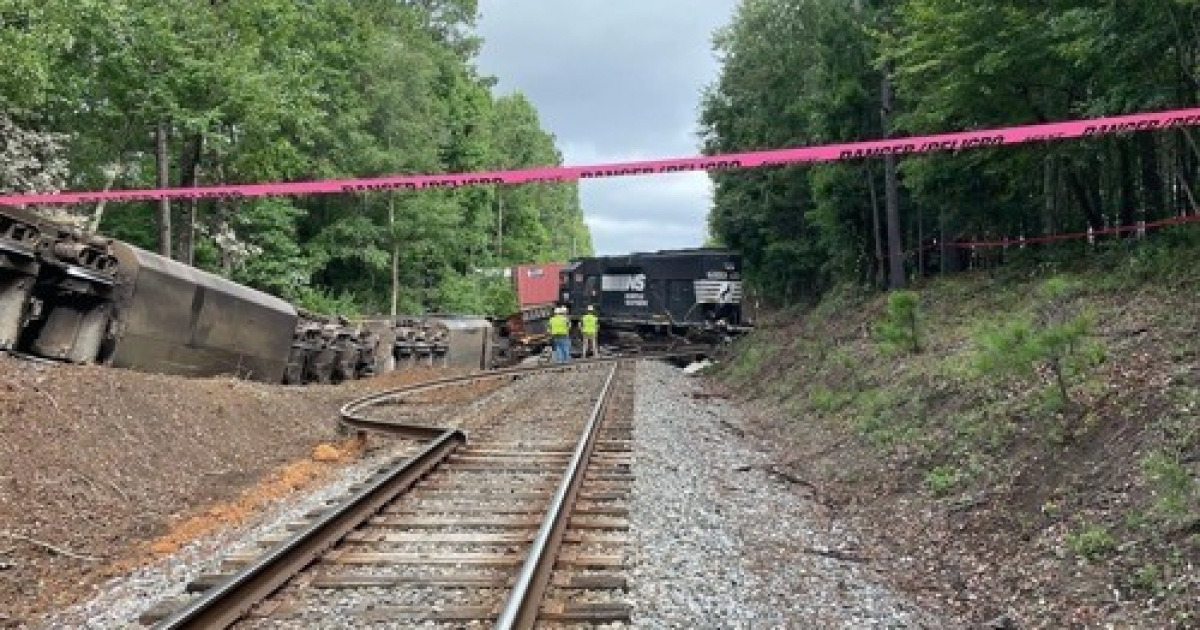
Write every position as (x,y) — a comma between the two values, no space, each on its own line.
(1177,494)
(942,480)
(1091,542)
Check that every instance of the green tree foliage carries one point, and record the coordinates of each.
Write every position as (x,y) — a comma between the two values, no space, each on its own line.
(271,90)
(900,328)
(801,72)
(1054,338)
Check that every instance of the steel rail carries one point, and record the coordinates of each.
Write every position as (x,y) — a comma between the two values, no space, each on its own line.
(521,609)
(229,600)
(225,603)
(352,417)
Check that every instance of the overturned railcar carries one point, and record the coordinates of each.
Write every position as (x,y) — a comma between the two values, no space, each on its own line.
(691,293)
(444,340)
(70,296)
(175,319)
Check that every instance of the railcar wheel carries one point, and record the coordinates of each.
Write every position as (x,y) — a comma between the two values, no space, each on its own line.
(73,331)
(14,295)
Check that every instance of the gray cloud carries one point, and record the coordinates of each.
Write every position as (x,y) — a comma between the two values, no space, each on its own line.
(615,80)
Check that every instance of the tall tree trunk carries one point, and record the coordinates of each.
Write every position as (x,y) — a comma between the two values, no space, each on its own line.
(951,255)
(1127,198)
(1153,205)
(877,267)
(1049,194)
(891,192)
(162,161)
(1078,188)
(499,227)
(395,301)
(110,177)
(189,169)
(920,243)
(1187,169)
(1187,194)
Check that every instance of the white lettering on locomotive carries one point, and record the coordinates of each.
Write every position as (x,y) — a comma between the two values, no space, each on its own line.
(623,282)
(718,291)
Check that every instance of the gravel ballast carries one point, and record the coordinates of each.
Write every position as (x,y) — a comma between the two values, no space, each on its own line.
(716,540)
(119,603)
(719,542)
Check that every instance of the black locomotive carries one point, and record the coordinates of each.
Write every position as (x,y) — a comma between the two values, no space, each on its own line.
(690,293)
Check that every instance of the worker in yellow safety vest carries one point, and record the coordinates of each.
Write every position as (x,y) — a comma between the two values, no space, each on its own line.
(589,326)
(560,335)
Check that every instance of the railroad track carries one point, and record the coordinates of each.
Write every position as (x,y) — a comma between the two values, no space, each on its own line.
(524,524)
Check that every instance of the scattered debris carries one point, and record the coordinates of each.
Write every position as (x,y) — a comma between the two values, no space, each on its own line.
(736,430)
(45,545)
(694,368)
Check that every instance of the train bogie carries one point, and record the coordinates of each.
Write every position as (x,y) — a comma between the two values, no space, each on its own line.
(19,239)
(345,354)
(15,290)
(367,356)
(329,350)
(73,329)
(462,341)
(293,374)
(58,296)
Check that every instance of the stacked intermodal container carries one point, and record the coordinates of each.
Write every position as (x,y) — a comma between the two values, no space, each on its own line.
(536,285)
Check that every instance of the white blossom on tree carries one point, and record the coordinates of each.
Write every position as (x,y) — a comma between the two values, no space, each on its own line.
(31,161)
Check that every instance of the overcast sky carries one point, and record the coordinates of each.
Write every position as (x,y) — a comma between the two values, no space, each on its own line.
(615,80)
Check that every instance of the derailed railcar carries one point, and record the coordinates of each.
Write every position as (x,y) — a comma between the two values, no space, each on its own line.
(175,319)
(19,238)
(693,293)
(444,340)
(71,296)
(469,341)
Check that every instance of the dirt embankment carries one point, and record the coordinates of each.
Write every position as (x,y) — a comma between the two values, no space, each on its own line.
(102,469)
(978,488)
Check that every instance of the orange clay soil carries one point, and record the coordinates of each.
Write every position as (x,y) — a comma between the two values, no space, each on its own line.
(103,470)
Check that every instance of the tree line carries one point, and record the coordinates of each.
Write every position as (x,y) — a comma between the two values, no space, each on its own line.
(802,72)
(99,95)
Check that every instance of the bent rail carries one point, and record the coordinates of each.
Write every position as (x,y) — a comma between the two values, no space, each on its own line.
(230,599)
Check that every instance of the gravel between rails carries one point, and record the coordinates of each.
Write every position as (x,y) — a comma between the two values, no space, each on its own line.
(720,543)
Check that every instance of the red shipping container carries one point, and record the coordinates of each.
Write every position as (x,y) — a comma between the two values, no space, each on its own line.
(536,284)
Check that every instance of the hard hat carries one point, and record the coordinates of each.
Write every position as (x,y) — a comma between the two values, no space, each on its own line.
(560,309)
(591,308)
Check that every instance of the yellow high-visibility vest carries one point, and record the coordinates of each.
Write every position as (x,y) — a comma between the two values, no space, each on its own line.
(589,324)
(559,326)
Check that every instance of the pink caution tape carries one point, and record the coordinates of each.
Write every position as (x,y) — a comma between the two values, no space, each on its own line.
(751,159)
